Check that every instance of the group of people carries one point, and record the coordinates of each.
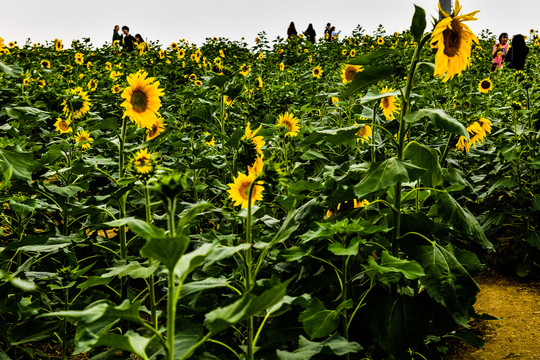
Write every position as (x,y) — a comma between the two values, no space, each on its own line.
(511,55)
(330,32)
(128,41)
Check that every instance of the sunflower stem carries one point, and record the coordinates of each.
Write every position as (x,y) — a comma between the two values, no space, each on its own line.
(248,276)
(122,201)
(151,284)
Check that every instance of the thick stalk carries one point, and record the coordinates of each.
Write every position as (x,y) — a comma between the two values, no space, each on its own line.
(171,315)
(123,198)
(151,284)
(248,275)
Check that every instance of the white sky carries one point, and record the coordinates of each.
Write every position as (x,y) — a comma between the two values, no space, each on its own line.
(168,20)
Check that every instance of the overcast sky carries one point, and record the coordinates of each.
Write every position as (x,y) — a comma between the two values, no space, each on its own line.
(169,20)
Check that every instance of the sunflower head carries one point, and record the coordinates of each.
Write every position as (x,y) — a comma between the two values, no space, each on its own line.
(317,72)
(389,104)
(452,39)
(143,164)
(77,104)
(289,122)
(239,190)
(485,86)
(46,64)
(62,126)
(142,99)
(348,72)
(281,66)
(84,138)
(245,69)
(380,41)
(364,133)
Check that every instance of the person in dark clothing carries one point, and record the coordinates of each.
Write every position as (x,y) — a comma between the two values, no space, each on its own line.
(310,33)
(327,33)
(517,53)
(115,35)
(291,31)
(127,40)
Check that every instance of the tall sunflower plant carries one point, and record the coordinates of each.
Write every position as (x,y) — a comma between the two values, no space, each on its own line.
(410,186)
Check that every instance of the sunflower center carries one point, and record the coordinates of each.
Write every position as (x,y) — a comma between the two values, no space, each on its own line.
(244,189)
(362,131)
(288,124)
(153,130)
(452,39)
(386,102)
(139,101)
(63,125)
(485,84)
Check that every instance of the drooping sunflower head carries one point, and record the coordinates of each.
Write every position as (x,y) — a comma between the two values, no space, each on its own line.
(157,128)
(257,140)
(389,104)
(364,133)
(46,64)
(84,137)
(485,86)
(142,99)
(317,72)
(452,39)
(348,72)
(239,190)
(289,122)
(62,126)
(485,124)
(142,164)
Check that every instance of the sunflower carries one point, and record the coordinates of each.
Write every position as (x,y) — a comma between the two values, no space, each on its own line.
(116,89)
(259,83)
(84,137)
(279,52)
(317,72)
(180,54)
(380,41)
(46,64)
(142,99)
(288,121)
(142,164)
(212,142)
(462,144)
(344,52)
(348,72)
(62,126)
(58,44)
(89,65)
(157,128)
(281,66)
(108,66)
(389,105)
(239,190)
(352,53)
(537,42)
(78,104)
(364,133)
(485,124)
(261,56)
(92,85)
(227,100)
(79,58)
(174,46)
(257,140)
(26,81)
(485,86)
(245,69)
(221,53)
(257,166)
(453,40)
(360,204)
(197,83)
(334,100)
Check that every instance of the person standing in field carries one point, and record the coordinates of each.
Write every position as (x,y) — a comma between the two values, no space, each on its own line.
(128,39)
(310,33)
(517,53)
(499,51)
(115,35)
(327,33)
(291,31)
(333,33)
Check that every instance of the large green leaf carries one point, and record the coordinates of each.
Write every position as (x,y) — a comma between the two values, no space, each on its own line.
(307,349)
(102,309)
(369,97)
(198,286)
(381,176)
(260,298)
(390,264)
(131,342)
(418,24)
(368,77)
(372,56)
(318,321)
(138,226)
(332,136)
(446,280)
(461,219)
(426,158)
(339,249)
(11,71)
(21,161)
(134,270)
(167,250)
(440,119)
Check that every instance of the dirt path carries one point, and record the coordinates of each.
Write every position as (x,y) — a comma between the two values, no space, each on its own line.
(517,334)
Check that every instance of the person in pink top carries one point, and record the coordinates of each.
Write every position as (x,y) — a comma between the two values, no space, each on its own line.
(499,51)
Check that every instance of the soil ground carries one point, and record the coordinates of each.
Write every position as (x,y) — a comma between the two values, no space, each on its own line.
(517,334)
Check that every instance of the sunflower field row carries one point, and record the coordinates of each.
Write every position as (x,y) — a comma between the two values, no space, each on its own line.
(287,200)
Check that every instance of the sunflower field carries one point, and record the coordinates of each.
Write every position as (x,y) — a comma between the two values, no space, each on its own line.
(287,200)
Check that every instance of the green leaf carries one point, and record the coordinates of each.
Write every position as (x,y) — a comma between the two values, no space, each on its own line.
(186,218)
(7,172)
(307,349)
(533,238)
(318,321)
(446,280)
(425,158)
(461,219)
(372,57)
(131,342)
(468,336)
(134,270)
(339,250)
(333,136)
(418,23)
(535,205)
(22,161)
(66,191)
(102,309)
(370,97)
(390,264)
(194,259)
(288,227)
(139,227)
(381,176)
(202,114)
(368,77)
(219,80)
(260,298)
(440,119)
(11,71)
(167,250)
(198,286)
